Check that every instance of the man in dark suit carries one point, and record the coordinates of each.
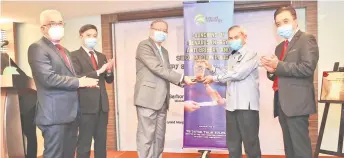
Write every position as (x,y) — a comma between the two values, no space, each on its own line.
(94,104)
(57,85)
(27,104)
(292,70)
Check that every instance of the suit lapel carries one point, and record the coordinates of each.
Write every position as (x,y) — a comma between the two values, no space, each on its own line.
(165,56)
(87,58)
(156,50)
(70,62)
(100,59)
(56,50)
(279,50)
(292,42)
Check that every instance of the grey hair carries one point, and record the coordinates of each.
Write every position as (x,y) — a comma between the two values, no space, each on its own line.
(158,20)
(45,14)
(242,30)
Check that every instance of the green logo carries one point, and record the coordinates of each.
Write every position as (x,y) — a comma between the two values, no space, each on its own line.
(199,19)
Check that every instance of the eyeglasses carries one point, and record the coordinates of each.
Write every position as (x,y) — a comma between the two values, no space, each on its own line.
(160,30)
(234,38)
(55,24)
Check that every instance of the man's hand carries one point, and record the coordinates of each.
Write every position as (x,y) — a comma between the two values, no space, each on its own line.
(208,80)
(271,62)
(207,65)
(269,69)
(88,82)
(190,106)
(103,68)
(188,81)
(110,65)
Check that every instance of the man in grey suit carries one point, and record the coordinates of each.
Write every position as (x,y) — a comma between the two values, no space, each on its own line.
(94,104)
(242,95)
(57,85)
(152,91)
(292,70)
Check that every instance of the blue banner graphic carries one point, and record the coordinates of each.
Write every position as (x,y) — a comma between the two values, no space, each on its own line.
(205,31)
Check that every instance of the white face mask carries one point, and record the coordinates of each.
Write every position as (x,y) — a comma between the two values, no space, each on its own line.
(56,32)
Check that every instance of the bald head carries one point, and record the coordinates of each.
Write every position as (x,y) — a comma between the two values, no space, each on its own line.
(237,32)
(50,16)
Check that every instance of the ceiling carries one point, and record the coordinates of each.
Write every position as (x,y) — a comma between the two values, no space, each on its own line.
(28,11)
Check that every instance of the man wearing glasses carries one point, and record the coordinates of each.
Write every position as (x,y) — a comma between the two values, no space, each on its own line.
(57,85)
(152,91)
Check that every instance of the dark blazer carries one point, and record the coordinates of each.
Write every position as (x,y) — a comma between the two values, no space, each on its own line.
(92,98)
(296,74)
(27,100)
(56,84)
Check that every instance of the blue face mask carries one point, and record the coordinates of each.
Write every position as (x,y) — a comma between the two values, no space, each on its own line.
(235,44)
(90,42)
(160,36)
(286,31)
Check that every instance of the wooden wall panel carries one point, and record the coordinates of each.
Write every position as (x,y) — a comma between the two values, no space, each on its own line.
(11,36)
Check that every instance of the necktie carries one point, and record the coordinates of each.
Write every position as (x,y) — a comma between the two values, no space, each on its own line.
(63,54)
(160,52)
(93,60)
(275,84)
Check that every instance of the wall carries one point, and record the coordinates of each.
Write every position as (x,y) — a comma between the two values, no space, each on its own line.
(26,34)
(330,40)
(72,38)
(29,33)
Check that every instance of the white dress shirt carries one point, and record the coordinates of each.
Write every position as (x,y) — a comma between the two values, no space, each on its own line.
(89,54)
(94,54)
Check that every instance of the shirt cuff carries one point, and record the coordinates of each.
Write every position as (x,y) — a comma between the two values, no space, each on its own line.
(97,73)
(79,83)
(213,69)
(216,78)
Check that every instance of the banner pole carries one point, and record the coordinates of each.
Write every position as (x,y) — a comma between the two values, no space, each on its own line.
(204,153)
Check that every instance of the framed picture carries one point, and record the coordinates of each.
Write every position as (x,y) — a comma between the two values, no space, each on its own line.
(332,88)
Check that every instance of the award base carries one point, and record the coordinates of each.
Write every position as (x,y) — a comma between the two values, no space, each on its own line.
(204,153)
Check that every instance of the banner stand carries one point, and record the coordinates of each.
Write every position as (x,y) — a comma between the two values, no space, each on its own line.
(204,153)
(205,37)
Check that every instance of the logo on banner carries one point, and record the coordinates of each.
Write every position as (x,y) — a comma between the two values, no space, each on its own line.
(201,19)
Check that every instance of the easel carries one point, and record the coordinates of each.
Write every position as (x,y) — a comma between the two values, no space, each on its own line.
(339,151)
